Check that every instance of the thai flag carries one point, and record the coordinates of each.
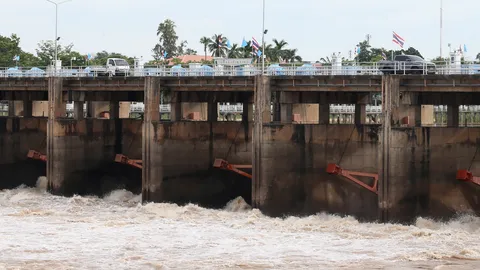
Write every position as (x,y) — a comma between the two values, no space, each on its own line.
(398,39)
(384,56)
(255,44)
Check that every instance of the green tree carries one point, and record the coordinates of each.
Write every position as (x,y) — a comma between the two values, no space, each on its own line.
(278,51)
(247,51)
(46,53)
(218,45)
(167,40)
(100,58)
(205,41)
(29,60)
(9,47)
(235,51)
(190,51)
(182,47)
(365,54)
(291,56)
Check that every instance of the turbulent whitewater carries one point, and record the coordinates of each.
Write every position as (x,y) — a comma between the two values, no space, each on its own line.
(42,231)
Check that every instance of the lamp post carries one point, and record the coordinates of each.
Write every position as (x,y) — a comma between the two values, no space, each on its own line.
(263,40)
(441,27)
(56,28)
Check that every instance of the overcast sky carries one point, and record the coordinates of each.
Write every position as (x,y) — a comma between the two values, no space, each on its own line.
(316,28)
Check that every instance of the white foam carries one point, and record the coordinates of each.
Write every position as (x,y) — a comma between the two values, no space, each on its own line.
(42,183)
(42,231)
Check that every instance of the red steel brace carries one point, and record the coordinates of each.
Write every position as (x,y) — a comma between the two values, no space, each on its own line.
(467,176)
(335,169)
(223,164)
(137,163)
(36,155)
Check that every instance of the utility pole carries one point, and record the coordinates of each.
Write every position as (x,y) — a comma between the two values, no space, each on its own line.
(441,27)
(368,37)
(263,40)
(56,28)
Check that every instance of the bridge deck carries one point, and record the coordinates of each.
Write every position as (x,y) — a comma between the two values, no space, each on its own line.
(373,83)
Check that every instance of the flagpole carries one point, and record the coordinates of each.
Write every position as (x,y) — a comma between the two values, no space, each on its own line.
(263,40)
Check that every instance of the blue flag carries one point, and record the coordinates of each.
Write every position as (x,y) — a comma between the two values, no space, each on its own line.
(358,49)
(464,48)
(228,44)
(89,56)
(259,53)
(165,54)
(244,43)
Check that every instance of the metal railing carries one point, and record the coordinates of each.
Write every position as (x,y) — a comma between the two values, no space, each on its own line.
(252,70)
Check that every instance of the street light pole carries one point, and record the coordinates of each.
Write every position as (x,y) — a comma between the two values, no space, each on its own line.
(263,40)
(56,28)
(441,28)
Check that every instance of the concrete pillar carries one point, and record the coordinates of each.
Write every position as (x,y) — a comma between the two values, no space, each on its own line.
(247,114)
(56,154)
(285,106)
(262,116)
(360,114)
(390,93)
(72,150)
(453,115)
(78,110)
(15,108)
(27,108)
(124,110)
(152,148)
(114,109)
(176,111)
(324,114)
(286,113)
(212,114)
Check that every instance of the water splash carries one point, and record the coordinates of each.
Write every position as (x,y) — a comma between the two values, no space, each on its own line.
(41,231)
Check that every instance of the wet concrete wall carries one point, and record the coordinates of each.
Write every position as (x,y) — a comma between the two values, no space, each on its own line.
(293,165)
(17,136)
(188,152)
(423,166)
(84,156)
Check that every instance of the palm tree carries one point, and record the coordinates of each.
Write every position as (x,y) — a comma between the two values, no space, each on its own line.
(247,50)
(234,52)
(278,50)
(217,45)
(205,41)
(291,56)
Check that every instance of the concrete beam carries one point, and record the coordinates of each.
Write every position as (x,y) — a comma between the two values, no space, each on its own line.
(152,147)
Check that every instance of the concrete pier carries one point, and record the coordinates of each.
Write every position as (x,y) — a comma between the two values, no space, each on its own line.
(289,148)
(152,143)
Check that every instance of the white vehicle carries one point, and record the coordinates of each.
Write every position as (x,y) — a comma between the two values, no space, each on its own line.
(114,67)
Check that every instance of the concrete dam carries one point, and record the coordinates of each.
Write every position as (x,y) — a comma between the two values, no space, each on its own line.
(284,156)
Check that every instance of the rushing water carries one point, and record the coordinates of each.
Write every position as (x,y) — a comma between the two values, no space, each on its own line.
(42,231)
